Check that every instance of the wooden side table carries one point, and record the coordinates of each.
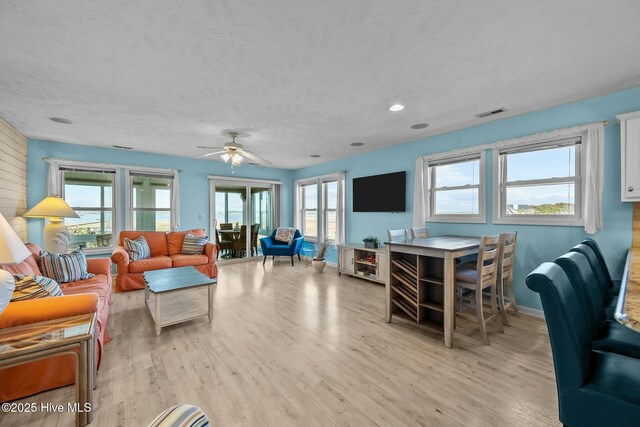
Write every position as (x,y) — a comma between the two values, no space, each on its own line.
(68,335)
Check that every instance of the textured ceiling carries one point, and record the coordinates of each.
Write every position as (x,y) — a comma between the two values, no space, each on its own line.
(299,77)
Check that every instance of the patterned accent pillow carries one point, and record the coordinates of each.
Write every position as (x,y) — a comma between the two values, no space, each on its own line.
(193,245)
(33,287)
(181,416)
(138,249)
(285,234)
(64,268)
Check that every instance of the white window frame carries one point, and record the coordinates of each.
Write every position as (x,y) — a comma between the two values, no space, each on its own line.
(322,209)
(325,203)
(304,209)
(129,196)
(500,186)
(432,162)
(115,194)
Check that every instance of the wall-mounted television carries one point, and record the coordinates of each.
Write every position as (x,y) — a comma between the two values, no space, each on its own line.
(380,193)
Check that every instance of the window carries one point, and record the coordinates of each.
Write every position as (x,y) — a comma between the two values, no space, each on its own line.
(230,205)
(90,192)
(309,197)
(320,207)
(539,183)
(150,201)
(456,189)
(329,205)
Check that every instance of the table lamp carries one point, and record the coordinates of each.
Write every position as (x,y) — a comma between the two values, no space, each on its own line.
(56,233)
(12,251)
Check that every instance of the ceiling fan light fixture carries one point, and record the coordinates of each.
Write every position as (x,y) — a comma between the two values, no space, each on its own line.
(226,157)
(236,159)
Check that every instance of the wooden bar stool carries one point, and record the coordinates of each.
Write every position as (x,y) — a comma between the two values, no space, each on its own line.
(419,232)
(397,235)
(476,280)
(507,300)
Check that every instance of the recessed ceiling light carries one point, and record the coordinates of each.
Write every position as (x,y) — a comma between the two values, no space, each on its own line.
(419,126)
(396,107)
(122,147)
(357,144)
(61,120)
(315,155)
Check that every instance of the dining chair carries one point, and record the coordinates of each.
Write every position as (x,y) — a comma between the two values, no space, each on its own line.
(609,294)
(476,280)
(240,244)
(594,388)
(225,245)
(396,235)
(419,232)
(506,263)
(613,284)
(226,226)
(254,238)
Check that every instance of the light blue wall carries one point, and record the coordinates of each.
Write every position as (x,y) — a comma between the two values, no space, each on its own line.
(194,186)
(535,243)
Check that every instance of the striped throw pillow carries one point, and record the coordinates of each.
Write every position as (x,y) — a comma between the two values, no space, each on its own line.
(138,249)
(33,287)
(193,245)
(64,268)
(181,416)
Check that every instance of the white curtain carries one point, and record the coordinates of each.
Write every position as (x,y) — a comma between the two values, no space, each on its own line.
(276,205)
(593,143)
(175,202)
(420,193)
(296,206)
(340,209)
(53,178)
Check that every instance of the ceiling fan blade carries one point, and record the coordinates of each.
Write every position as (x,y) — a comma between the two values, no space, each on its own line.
(250,155)
(211,154)
(210,148)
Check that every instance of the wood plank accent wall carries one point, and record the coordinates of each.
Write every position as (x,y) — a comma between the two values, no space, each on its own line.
(13,177)
(635,241)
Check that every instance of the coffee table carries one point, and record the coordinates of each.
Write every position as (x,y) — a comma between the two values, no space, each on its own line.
(72,336)
(169,295)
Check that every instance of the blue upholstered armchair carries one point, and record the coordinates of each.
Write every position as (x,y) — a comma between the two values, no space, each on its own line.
(270,246)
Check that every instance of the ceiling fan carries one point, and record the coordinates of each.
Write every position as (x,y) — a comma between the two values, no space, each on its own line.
(235,152)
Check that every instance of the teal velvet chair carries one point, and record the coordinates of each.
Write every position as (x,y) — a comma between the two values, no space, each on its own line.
(613,284)
(595,388)
(271,247)
(610,294)
(596,260)
(607,335)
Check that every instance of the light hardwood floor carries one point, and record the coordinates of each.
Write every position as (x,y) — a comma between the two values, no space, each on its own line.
(292,347)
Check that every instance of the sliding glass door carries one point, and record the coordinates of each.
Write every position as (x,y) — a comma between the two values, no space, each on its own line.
(242,213)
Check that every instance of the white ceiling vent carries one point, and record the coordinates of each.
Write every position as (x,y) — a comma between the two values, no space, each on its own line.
(490,113)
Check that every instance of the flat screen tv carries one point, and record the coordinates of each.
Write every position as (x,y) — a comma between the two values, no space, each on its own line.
(380,193)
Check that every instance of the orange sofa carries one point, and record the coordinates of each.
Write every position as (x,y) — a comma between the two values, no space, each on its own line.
(91,295)
(165,253)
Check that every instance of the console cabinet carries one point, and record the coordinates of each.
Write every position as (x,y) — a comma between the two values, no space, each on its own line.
(630,156)
(356,260)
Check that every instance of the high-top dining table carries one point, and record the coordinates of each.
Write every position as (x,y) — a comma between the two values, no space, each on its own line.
(421,282)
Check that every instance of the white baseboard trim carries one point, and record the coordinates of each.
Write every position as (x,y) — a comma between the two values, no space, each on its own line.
(531,312)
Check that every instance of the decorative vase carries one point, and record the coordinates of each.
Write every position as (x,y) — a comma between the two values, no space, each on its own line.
(318,265)
(371,245)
